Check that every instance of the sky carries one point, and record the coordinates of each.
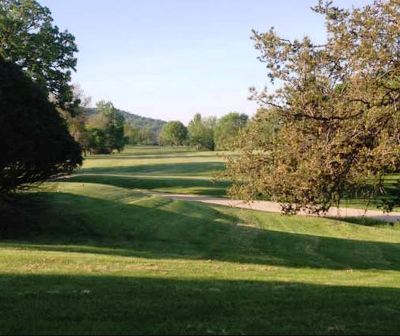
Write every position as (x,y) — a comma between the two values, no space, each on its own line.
(168,59)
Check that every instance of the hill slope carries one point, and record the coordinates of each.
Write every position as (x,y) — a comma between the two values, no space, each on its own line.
(154,125)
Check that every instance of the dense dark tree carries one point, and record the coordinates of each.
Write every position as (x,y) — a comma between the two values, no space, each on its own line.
(35,143)
(228,129)
(338,105)
(173,133)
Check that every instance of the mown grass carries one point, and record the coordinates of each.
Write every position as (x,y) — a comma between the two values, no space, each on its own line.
(186,171)
(101,259)
(92,255)
(164,169)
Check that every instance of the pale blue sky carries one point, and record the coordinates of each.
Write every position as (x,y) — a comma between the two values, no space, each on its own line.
(169,59)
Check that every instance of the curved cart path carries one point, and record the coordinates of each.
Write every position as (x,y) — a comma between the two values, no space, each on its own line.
(275,207)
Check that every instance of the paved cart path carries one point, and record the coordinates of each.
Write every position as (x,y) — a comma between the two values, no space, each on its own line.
(275,207)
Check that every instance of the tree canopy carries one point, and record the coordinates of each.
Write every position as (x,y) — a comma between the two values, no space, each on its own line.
(35,142)
(173,133)
(29,39)
(227,130)
(106,129)
(338,106)
(201,132)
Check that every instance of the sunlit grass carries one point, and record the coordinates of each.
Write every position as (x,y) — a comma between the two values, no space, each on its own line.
(104,258)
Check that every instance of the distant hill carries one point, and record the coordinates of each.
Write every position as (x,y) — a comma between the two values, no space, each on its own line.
(154,125)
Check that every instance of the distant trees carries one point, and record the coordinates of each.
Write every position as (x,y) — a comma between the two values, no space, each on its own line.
(35,143)
(29,38)
(132,134)
(147,136)
(211,133)
(173,133)
(227,130)
(337,108)
(106,129)
(201,132)
(77,120)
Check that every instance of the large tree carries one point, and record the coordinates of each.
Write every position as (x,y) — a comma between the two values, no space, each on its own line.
(228,129)
(201,132)
(173,133)
(29,38)
(338,105)
(35,143)
(106,129)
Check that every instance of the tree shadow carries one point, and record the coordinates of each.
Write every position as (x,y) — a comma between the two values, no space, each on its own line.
(196,186)
(368,221)
(390,199)
(160,155)
(73,304)
(161,228)
(181,169)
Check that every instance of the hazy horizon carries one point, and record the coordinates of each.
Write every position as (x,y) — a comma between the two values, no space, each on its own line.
(170,59)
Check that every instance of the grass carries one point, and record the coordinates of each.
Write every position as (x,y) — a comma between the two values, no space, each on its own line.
(98,258)
(184,171)
(174,170)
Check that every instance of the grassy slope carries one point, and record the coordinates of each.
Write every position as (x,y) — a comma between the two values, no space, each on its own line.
(176,170)
(179,170)
(105,259)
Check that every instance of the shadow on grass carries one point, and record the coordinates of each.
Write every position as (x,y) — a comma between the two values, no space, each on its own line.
(367,221)
(181,169)
(160,155)
(194,186)
(390,198)
(162,228)
(60,304)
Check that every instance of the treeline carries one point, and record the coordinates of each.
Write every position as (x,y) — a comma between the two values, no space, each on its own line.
(107,130)
(139,130)
(207,133)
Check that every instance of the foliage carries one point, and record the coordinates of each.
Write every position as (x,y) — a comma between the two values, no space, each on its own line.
(173,133)
(77,121)
(147,136)
(262,130)
(106,129)
(227,130)
(138,129)
(78,130)
(201,132)
(338,105)
(29,38)
(97,141)
(131,133)
(35,143)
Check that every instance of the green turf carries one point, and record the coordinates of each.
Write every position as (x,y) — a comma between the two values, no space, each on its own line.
(164,169)
(95,256)
(185,171)
(105,259)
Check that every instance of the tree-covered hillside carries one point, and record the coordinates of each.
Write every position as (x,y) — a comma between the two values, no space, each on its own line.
(153,125)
